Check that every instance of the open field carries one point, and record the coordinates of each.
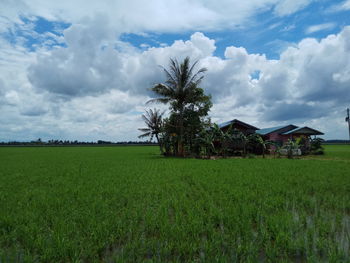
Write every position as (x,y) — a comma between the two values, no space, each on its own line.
(128,204)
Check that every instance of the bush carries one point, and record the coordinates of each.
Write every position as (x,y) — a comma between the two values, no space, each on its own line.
(316,146)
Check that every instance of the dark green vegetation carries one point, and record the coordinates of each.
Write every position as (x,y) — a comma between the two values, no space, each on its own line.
(128,204)
(188,131)
(188,106)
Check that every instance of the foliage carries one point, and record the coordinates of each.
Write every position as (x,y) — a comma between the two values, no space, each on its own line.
(256,144)
(189,106)
(153,120)
(316,146)
(205,142)
(187,131)
(126,204)
(304,145)
(291,146)
(222,139)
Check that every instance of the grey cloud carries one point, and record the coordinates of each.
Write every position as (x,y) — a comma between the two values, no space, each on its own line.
(293,111)
(34,111)
(120,108)
(2,88)
(274,84)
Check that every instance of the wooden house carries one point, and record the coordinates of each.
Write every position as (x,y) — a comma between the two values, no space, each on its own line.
(245,128)
(281,134)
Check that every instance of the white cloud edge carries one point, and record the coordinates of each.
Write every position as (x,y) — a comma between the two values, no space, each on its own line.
(320,27)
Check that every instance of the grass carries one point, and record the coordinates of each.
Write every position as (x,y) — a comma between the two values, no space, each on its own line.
(338,152)
(128,204)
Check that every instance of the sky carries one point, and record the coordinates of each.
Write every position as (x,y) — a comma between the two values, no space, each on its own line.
(82,70)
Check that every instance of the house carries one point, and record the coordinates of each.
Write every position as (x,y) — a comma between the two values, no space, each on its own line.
(281,134)
(243,127)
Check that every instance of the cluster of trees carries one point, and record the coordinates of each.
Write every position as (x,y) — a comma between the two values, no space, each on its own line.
(204,139)
(188,105)
(188,131)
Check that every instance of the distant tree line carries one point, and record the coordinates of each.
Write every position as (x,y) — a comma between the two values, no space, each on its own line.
(75,142)
(336,141)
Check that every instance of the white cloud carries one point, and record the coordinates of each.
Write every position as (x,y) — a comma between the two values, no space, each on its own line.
(96,87)
(287,7)
(320,27)
(344,6)
(309,81)
(154,15)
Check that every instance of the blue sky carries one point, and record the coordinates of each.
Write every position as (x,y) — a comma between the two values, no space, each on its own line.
(81,70)
(265,34)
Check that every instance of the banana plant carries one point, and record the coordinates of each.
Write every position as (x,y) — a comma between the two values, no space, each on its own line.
(290,146)
(260,141)
(206,142)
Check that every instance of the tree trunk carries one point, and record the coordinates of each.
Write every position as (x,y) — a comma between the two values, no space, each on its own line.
(160,145)
(263,152)
(181,132)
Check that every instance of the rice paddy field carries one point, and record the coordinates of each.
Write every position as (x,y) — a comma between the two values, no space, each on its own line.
(128,204)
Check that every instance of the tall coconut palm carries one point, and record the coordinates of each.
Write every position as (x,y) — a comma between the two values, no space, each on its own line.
(153,120)
(180,89)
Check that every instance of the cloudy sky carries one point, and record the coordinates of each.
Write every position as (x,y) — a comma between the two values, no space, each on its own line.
(82,69)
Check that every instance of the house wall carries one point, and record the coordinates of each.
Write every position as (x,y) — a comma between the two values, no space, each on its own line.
(276,137)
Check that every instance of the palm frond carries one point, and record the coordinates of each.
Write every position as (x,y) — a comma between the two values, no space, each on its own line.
(144,129)
(144,135)
(158,100)
(174,67)
(147,120)
(170,78)
(195,79)
(162,89)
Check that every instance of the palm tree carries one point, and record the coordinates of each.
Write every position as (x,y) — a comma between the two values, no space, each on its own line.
(153,120)
(179,89)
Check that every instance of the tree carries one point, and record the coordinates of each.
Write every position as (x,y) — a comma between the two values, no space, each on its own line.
(237,141)
(153,120)
(291,146)
(205,140)
(181,90)
(258,140)
(224,140)
(316,146)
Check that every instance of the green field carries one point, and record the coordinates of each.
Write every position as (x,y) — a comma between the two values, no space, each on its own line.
(128,204)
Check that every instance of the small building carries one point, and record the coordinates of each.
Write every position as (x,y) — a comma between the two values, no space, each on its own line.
(245,128)
(281,134)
